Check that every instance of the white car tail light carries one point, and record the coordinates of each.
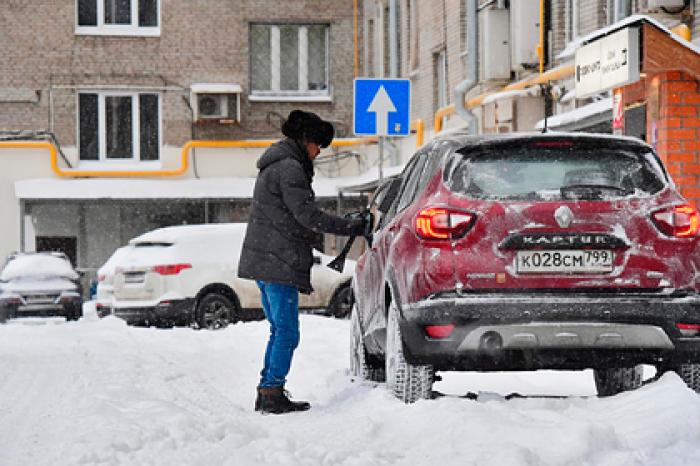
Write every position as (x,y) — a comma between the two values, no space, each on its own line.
(171,269)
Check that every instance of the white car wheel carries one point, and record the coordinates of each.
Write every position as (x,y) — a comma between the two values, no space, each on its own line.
(407,382)
(215,311)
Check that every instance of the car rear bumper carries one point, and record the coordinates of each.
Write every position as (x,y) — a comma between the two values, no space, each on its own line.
(67,310)
(531,331)
(144,313)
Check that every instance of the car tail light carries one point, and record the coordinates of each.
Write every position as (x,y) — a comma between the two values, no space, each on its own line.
(171,269)
(689,330)
(101,277)
(439,332)
(443,223)
(10,300)
(69,298)
(681,221)
(553,143)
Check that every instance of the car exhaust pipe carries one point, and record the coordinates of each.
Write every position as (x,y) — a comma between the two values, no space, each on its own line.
(491,342)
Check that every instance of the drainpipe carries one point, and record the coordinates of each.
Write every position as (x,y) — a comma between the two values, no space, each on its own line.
(472,69)
(393,41)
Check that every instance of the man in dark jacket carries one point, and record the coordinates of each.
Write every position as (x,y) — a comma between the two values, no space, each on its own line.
(284,224)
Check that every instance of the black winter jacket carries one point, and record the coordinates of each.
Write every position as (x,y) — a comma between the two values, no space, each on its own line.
(284,220)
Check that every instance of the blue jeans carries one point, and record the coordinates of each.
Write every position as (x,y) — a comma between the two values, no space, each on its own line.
(281,306)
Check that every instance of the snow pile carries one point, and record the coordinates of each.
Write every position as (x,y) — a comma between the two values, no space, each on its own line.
(99,392)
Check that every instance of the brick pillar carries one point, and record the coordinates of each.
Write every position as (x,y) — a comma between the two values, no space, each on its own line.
(678,130)
(673,124)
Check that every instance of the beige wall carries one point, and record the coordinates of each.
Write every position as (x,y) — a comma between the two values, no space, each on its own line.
(200,42)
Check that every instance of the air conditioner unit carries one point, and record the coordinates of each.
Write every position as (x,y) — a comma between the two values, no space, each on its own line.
(212,105)
(220,102)
(655,5)
(495,44)
(524,35)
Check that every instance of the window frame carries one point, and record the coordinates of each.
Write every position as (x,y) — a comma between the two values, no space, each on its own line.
(133,29)
(135,123)
(410,186)
(288,95)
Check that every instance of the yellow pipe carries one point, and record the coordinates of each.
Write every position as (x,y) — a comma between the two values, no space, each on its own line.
(560,72)
(440,114)
(184,158)
(419,126)
(355,37)
(683,31)
(540,48)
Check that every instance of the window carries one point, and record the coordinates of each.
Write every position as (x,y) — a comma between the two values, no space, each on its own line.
(622,9)
(118,17)
(440,76)
(118,126)
(410,183)
(289,60)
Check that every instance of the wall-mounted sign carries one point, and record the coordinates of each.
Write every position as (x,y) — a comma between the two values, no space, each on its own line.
(618,114)
(608,62)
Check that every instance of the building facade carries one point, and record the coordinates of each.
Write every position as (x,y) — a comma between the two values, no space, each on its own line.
(120,117)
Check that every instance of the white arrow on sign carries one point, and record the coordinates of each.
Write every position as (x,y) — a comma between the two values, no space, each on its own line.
(382,105)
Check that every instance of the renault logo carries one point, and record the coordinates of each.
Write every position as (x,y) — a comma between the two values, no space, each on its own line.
(563,216)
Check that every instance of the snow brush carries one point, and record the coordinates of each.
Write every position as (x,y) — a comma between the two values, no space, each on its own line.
(338,264)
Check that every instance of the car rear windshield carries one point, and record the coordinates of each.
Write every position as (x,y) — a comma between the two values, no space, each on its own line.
(569,171)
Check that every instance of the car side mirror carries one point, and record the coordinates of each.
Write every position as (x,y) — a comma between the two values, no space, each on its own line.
(317,260)
(390,196)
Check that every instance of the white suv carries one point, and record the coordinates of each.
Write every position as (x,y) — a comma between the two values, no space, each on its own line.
(188,274)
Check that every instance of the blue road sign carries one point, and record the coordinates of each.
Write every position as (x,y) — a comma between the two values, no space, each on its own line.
(382,107)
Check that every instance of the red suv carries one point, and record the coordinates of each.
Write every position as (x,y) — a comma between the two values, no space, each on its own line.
(525,252)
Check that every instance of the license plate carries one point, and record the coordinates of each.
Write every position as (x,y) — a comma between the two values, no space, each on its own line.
(134,277)
(565,261)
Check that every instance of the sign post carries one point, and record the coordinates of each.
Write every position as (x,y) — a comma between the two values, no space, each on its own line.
(382,108)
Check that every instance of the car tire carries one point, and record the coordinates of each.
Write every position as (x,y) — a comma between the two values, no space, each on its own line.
(359,365)
(74,315)
(690,373)
(3,316)
(214,311)
(342,302)
(407,382)
(615,380)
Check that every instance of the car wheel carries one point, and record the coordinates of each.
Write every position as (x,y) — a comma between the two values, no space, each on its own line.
(359,366)
(214,311)
(618,379)
(3,316)
(342,301)
(407,382)
(74,315)
(690,373)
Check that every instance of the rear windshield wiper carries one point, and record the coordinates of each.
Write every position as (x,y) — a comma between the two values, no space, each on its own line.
(594,189)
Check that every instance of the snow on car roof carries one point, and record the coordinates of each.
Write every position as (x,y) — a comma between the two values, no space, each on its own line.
(462,137)
(192,232)
(37,265)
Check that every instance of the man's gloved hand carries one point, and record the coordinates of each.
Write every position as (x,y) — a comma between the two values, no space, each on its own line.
(361,223)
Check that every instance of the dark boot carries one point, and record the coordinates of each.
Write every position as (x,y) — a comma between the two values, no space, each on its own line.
(273,400)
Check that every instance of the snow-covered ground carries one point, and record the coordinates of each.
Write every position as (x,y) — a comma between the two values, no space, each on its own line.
(99,392)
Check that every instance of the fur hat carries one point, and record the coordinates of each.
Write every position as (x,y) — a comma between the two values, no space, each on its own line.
(309,127)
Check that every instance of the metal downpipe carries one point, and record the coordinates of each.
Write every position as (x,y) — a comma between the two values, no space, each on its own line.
(472,69)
